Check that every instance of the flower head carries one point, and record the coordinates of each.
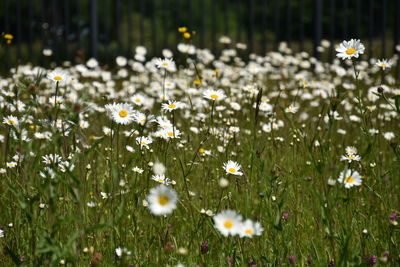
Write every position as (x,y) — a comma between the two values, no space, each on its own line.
(350,49)
(384,64)
(350,178)
(232,167)
(58,76)
(228,222)
(214,94)
(162,200)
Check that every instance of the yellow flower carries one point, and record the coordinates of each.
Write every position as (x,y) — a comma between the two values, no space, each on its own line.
(9,37)
(186,35)
(197,82)
(182,29)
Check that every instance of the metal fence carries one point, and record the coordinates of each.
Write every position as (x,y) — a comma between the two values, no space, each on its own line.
(78,29)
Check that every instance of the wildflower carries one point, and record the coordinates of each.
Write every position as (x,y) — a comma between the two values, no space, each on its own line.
(162,200)
(143,141)
(8,37)
(172,105)
(350,178)
(350,49)
(204,247)
(214,94)
(228,222)
(249,229)
(292,109)
(232,167)
(58,76)
(123,114)
(161,179)
(165,63)
(11,120)
(350,157)
(182,29)
(384,64)
(11,164)
(105,195)
(122,251)
(137,170)
(1,233)
(351,150)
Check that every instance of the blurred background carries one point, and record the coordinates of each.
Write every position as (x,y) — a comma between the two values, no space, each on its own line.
(75,30)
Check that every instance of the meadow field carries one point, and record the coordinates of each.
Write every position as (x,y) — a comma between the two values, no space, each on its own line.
(194,159)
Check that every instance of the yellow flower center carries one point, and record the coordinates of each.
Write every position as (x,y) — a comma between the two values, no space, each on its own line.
(384,65)
(172,106)
(57,78)
(249,231)
(165,64)
(123,113)
(232,170)
(163,200)
(11,121)
(137,100)
(349,179)
(170,134)
(201,150)
(214,96)
(143,143)
(228,224)
(350,51)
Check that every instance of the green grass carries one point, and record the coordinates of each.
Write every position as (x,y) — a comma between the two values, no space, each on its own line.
(324,223)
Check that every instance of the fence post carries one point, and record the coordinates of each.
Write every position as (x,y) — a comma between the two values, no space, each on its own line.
(318,27)
(264,27)
(383,37)
(370,27)
(301,25)
(93,28)
(288,21)
(332,23)
(251,26)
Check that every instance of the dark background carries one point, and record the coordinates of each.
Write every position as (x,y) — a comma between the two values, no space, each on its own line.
(78,29)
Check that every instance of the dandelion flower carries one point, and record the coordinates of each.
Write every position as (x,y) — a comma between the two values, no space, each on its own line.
(162,200)
(350,49)
(232,167)
(228,222)
(350,178)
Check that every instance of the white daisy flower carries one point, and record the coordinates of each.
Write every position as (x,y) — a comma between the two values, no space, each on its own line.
(350,178)
(165,63)
(350,157)
(143,141)
(11,120)
(162,200)
(384,64)
(161,179)
(232,167)
(137,170)
(172,105)
(249,229)
(58,76)
(350,49)
(214,94)
(228,222)
(123,114)
(351,150)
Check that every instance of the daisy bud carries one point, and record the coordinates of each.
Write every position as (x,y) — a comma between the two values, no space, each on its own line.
(223,182)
